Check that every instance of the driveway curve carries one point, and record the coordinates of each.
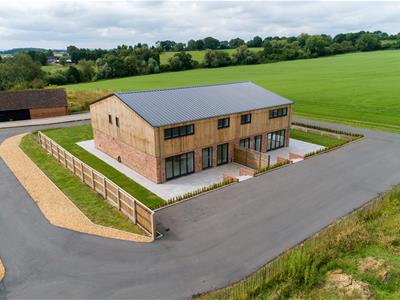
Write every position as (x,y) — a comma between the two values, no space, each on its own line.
(208,242)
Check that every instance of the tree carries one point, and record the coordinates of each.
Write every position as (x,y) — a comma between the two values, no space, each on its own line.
(216,59)
(234,43)
(38,56)
(255,42)
(62,60)
(181,61)
(86,69)
(191,45)
(57,78)
(368,42)
(318,45)
(20,72)
(166,45)
(199,45)
(72,74)
(211,43)
(243,56)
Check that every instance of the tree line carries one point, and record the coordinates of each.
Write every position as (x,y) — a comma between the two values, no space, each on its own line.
(23,70)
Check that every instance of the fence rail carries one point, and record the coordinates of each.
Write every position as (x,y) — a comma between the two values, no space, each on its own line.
(128,205)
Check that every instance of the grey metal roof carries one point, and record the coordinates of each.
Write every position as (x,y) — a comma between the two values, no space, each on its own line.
(176,105)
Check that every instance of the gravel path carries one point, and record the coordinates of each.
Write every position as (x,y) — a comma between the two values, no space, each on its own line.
(56,207)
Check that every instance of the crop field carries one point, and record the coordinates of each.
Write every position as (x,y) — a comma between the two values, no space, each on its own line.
(360,89)
(197,55)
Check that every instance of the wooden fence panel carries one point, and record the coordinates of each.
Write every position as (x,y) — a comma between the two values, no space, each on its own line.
(136,211)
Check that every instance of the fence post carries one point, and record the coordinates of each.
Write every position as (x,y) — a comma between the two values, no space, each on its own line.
(105,188)
(153,227)
(65,159)
(92,174)
(134,211)
(83,179)
(119,198)
(58,154)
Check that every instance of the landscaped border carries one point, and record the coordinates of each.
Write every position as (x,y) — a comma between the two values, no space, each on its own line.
(2,271)
(345,137)
(282,265)
(55,206)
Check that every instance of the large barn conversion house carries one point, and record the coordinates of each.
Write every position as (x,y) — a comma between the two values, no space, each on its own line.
(167,133)
(32,104)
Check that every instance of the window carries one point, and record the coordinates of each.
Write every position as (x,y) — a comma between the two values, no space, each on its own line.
(245,143)
(257,143)
(276,139)
(179,131)
(110,119)
(223,123)
(206,158)
(117,121)
(222,154)
(277,113)
(179,165)
(245,119)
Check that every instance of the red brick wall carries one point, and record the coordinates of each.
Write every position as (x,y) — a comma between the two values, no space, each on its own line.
(145,164)
(38,113)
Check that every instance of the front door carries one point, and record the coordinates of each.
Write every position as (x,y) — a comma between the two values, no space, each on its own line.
(206,158)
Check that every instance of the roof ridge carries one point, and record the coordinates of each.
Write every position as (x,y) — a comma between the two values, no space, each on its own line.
(182,87)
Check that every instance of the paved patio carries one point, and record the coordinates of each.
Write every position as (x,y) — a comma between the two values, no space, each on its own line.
(295,146)
(173,187)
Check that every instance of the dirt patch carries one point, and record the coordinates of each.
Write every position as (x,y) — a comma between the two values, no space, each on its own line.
(2,271)
(56,207)
(378,267)
(344,285)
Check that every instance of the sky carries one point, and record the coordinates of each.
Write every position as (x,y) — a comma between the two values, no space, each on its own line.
(106,23)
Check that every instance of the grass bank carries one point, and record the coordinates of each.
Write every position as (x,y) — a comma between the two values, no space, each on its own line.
(302,272)
(359,89)
(89,202)
(68,137)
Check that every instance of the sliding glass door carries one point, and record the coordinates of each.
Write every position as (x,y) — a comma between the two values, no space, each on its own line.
(179,165)
(276,139)
(222,154)
(206,158)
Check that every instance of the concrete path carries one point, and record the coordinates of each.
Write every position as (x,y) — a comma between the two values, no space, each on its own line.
(46,121)
(213,240)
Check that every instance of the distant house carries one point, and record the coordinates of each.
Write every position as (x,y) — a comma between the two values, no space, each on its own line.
(33,104)
(167,133)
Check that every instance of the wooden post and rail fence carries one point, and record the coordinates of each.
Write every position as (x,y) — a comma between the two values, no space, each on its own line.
(128,205)
(251,158)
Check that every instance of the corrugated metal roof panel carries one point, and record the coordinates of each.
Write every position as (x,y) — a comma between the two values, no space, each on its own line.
(177,105)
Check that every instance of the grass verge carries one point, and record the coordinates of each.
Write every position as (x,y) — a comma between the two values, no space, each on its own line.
(300,273)
(313,138)
(68,137)
(89,202)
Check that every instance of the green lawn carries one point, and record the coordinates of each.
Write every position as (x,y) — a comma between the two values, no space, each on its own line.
(53,68)
(313,138)
(359,89)
(90,203)
(68,137)
(197,55)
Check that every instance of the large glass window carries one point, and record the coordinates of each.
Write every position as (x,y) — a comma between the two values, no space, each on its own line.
(179,131)
(279,112)
(179,165)
(223,123)
(245,119)
(207,157)
(222,154)
(257,143)
(245,143)
(276,139)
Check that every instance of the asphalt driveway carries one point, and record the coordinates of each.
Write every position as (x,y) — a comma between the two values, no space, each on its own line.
(212,240)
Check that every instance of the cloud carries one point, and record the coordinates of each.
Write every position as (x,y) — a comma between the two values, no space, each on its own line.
(91,23)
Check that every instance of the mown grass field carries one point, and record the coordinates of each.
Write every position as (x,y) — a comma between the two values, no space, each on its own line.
(90,203)
(313,138)
(53,68)
(197,55)
(360,89)
(68,137)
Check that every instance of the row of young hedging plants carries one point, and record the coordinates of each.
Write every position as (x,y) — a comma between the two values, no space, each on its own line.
(304,264)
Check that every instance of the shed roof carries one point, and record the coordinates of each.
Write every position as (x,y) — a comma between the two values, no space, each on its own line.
(27,99)
(177,105)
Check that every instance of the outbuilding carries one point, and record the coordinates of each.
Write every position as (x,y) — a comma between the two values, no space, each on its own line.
(32,104)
